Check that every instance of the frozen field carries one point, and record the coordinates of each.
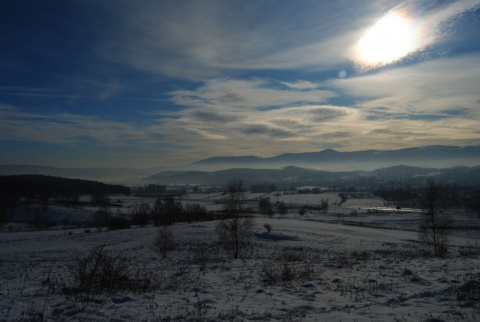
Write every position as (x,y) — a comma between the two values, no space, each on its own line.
(339,266)
(339,273)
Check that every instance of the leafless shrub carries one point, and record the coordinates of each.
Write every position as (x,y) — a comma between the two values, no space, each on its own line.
(269,274)
(245,276)
(285,271)
(200,253)
(348,259)
(291,256)
(180,278)
(358,290)
(411,275)
(399,252)
(361,255)
(99,272)
(164,241)
(469,293)
(201,256)
(470,250)
(268,227)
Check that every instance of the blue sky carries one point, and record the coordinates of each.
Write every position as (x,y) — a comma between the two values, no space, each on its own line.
(149,83)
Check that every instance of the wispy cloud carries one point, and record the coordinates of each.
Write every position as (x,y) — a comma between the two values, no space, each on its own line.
(233,116)
(198,40)
(111,89)
(301,85)
(249,94)
(194,79)
(72,129)
(429,87)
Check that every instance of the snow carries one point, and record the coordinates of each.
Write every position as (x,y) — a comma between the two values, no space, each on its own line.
(354,270)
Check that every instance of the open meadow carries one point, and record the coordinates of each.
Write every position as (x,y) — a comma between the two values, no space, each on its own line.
(345,265)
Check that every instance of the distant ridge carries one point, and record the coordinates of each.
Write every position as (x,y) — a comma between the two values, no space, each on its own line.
(110,175)
(245,159)
(326,160)
(290,174)
(428,156)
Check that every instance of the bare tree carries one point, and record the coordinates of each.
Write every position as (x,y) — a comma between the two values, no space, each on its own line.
(164,241)
(266,207)
(282,209)
(434,221)
(140,214)
(324,206)
(158,212)
(236,230)
(194,212)
(173,210)
(166,212)
(102,215)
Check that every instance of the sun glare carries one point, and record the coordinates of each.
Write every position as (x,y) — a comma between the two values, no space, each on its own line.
(390,39)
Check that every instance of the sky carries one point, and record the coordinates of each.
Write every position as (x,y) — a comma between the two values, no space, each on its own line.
(119,83)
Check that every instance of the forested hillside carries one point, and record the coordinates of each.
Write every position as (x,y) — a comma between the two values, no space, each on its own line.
(41,187)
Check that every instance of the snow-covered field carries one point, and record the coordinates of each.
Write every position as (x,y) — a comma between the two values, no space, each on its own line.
(308,268)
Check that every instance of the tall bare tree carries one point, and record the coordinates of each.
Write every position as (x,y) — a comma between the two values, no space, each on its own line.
(434,221)
(266,207)
(235,232)
(282,209)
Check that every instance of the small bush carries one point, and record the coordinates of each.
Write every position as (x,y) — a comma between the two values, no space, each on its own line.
(164,241)
(202,256)
(469,250)
(268,227)
(180,278)
(469,293)
(291,256)
(358,289)
(99,272)
(285,271)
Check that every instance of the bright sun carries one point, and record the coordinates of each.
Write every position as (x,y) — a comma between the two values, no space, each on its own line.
(389,40)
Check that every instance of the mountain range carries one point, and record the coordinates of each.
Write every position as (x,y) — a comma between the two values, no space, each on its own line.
(295,176)
(326,161)
(429,156)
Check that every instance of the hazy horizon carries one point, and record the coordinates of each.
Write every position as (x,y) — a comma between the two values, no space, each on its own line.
(433,157)
(301,159)
(154,83)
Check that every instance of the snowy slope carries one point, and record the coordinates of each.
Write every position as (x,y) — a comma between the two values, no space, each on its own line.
(351,274)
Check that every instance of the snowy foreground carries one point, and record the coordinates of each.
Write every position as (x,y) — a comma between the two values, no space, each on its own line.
(303,270)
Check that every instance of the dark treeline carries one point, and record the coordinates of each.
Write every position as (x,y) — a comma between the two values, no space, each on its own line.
(27,189)
(263,187)
(150,190)
(450,196)
(294,176)
(168,210)
(42,186)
